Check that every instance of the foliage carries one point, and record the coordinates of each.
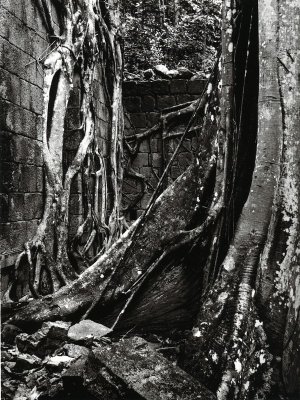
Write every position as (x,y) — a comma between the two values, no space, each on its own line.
(183,33)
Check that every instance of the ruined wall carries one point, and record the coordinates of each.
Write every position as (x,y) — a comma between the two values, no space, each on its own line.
(144,102)
(23,43)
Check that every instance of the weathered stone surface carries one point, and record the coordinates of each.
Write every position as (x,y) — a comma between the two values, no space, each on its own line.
(9,333)
(75,350)
(195,87)
(184,73)
(138,120)
(160,87)
(86,379)
(162,70)
(178,86)
(58,362)
(165,102)
(132,104)
(87,329)
(27,361)
(129,88)
(138,366)
(45,340)
(148,103)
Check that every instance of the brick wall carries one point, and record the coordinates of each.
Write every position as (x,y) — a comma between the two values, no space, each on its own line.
(143,103)
(23,41)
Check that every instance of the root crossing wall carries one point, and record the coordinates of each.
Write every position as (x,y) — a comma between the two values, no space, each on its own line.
(23,44)
(144,102)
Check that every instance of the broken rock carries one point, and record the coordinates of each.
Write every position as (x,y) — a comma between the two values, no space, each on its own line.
(75,350)
(149,374)
(27,361)
(87,329)
(131,369)
(58,362)
(45,340)
(9,333)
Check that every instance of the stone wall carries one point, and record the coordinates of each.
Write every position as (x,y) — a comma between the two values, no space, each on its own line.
(23,43)
(144,102)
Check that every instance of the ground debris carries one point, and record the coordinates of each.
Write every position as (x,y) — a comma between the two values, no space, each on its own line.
(131,368)
(45,340)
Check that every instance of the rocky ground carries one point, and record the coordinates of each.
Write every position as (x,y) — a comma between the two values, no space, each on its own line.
(88,361)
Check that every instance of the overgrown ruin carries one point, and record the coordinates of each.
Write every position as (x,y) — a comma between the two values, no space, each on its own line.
(188,288)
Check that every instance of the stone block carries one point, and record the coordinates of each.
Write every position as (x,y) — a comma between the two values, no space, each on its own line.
(138,120)
(87,329)
(154,145)
(155,160)
(16,119)
(5,145)
(178,86)
(27,178)
(45,340)
(165,102)
(4,207)
(20,63)
(144,147)
(148,103)
(34,205)
(147,172)
(14,7)
(184,98)
(9,333)
(141,160)
(132,104)
(17,33)
(16,207)
(5,20)
(195,87)
(9,177)
(152,118)
(129,88)
(144,88)
(10,87)
(32,97)
(31,228)
(145,200)
(160,86)
(25,150)
(39,171)
(33,151)
(16,232)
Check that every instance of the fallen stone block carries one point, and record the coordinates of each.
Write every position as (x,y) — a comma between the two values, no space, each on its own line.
(131,369)
(9,333)
(58,362)
(45,340)
(148,373)
(75,350)
(87,329)
(27,361)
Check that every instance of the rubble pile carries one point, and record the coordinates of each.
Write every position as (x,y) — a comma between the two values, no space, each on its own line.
(86,361)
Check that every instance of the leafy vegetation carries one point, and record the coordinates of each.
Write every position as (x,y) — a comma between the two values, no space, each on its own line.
(175,33)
